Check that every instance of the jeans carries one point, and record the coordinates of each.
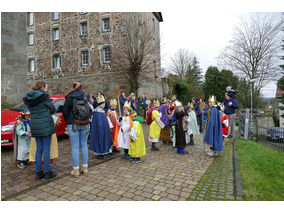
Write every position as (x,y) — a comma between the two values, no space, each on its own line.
(43,148)
(232,123)
(79,138)
(199,121)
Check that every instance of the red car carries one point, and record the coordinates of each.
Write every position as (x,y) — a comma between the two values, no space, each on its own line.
(9,119)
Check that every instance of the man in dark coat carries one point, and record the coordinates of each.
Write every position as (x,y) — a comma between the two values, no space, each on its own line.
(180,130)
(122,100)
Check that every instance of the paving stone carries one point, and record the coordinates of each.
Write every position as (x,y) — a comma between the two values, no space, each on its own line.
(156,197)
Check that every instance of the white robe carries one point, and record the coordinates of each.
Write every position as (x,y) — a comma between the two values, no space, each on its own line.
(123,136)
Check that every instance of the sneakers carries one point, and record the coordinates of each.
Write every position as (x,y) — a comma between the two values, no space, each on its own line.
(136,160)
(21,165)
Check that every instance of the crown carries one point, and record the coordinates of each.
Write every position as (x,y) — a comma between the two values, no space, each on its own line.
(156,103)
(174,97)
(177,103)
(133,114)
(100,99)
(148,102)
(113,102)
(221,105)
(212,99)
(126,105)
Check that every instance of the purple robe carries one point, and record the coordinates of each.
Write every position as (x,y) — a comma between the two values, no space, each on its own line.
(164,110)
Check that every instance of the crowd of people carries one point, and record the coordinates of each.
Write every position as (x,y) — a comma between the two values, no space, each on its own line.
(112,126)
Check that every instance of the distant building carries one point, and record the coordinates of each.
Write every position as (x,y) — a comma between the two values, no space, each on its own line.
(13,57)
(279,94)
(64,47)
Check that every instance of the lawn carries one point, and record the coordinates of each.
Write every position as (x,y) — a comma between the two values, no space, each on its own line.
(262,171)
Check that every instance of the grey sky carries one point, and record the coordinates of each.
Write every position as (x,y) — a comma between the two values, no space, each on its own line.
(203,33)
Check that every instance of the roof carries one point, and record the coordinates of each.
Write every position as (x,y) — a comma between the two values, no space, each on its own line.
(158,16)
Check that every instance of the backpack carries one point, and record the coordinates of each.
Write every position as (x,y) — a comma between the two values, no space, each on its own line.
(81,115)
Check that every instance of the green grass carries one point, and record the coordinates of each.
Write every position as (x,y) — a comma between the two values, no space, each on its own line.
(261,170)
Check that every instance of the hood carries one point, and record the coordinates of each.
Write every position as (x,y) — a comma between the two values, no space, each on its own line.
(9,117)
(35,97)
(76,93)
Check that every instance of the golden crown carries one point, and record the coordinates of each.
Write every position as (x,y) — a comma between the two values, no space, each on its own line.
(148,102)
(156,103)
(212,99)
(100,99)
(126,105)
(177,103)
(113,102)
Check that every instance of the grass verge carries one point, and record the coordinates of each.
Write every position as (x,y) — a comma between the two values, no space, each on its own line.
(262,171)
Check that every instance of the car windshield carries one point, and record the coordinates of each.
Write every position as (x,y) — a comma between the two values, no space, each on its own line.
(21,107)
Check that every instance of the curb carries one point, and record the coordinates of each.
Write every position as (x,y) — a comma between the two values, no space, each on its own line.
(237,177)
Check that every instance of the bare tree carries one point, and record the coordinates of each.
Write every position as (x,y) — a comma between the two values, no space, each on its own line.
(253,50)
(141,49)
(181,62)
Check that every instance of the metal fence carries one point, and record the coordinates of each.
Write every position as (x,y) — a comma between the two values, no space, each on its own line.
(262,131)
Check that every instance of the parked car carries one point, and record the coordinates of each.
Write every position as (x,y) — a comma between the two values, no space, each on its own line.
(9,119)
(275,134)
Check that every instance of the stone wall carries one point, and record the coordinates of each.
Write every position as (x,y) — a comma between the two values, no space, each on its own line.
(13,57)
(95,76)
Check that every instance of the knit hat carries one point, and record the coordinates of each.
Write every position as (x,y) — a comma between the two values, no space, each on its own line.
(77,85)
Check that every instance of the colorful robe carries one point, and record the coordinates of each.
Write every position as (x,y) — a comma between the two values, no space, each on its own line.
(213,135)
(100,139)
(137,148)
(113,118)
(21,141)
(192,124)
(155,127)
(225,125)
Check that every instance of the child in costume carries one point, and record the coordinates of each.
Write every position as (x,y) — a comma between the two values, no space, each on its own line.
(156,105)
(155,129)
(112,115)
(137,147)
(22,139)
(100,139)
(213,135)
(123,137)
(180,130)
(225,122)
(192,127)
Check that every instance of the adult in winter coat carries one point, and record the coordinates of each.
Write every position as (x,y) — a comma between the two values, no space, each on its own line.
(42,126)
(78,130)
(231,105)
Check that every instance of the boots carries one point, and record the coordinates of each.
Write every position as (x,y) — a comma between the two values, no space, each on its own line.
(75,172)
(49,175)
(154,148)
(39,175)
(84,170)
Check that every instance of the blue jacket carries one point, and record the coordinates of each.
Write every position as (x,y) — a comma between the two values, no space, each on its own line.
(143,103)
(229,110)
(197,109)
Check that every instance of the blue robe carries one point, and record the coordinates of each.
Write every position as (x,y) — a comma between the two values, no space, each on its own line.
(100,139)
(213,135)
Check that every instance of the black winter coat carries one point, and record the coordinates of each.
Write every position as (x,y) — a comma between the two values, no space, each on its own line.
(41,109)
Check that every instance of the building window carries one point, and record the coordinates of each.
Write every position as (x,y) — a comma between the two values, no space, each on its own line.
(84,58)
(107,54)
(55,34)
(106,25)
(84,28)
(55,16)
(56,61)
(31,65)
(31,39)
(30,19)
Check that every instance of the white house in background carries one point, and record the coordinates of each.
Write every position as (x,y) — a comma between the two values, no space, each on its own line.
(279,94)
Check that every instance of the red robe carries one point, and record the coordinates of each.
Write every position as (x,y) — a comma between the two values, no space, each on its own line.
(113,120)
(225,125)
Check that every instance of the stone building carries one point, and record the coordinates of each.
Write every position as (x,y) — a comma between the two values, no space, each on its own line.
(13,57)
(64,47)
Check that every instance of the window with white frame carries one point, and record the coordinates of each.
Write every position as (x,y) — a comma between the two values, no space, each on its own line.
(31,65)
(55,34)
(107,54)
(31,39)
(55,16)
(106,24)
(56,61)
(84,28)
(84,58)
(30,19)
